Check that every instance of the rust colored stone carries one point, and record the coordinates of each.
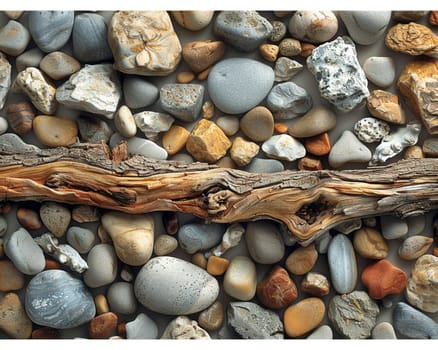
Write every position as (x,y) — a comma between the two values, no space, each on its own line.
(103,326)
(318,145)
(281,128)
(204,74)
(433,18)
(52,265)
(303,316)
(170,222)
(20,116)
(306,49)
(216,265)
(45,333)
(29,218)
(121,329)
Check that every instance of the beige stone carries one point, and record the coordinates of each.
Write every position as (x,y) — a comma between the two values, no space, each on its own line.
(193,20)
(413,152)
(125,122)
(55,131)
(289,47)
(199,260)
(302,260)
(13,318)
(101,303)
(199,55)
(242,152)
(369,243)
(208,110)
(414,246)
(10,278)
(240,280)
(303,316)
(185,77)
(58,65)
(211,319)
(207,142)
(175,139)
(165,244)
(384,105)
(269,52)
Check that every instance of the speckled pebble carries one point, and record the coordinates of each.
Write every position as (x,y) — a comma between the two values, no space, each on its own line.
(56,217)
(278,32)
(289,47)
(370,129)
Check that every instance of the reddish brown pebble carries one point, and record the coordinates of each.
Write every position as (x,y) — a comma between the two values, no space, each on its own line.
(311,164)
(52,265)
(277,289)
(20,116)
(216,265)
(103,326)
(318,145)
(29,219)
(306,49)
(433,18)
(46,333)
(315,284)
(121,329)
(281,128)
(383,278)
(170,221)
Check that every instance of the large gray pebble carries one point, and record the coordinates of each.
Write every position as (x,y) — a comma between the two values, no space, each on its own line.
(82,239)
(14,38)
(412,323)
(366,27)
(12,143)
(50,29)
(139,92)
(102,266)
(183,101)
(288,100)
(264,242)
(195,237)
(121,298)
(142,327)
(260,165)
(357,151)
(173,286)
(236,85)
(146,148)
(29,58)
(56,299)
(393,227)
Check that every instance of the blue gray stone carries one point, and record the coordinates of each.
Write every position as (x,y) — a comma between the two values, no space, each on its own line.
(82,239)
(261,165)
(138,92)
(142,327)
(245,30)
(93,130)
(14,38)
(29,58)
(50,29)
(121,298)
(289,100)
(183,101)
(412,323)
(195,237)
(236,85)
(12,143)
(56,299)
(89,38)
(146,148)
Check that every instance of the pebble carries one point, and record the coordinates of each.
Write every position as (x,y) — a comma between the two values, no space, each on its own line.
(430,146)
(358,152)
(323,242)
(56,217)
(208,110)
(132,236)
(93,130)
(13,319)
(384,105)
(207,142)
(200,260)
(370,130)
(284,147)
(433,18)
(301,260)
(380,71)
(416,224)
(240,280)
(185,77)
(101,303)
(244,30)
(370,244)
(313,26)
(408,16)
(45,333)
(303,316)
(251,321)
(243,77)
(153,123)
(165,245)
(278,32)
(342,264)
(288,100)
(315,284)
(258,124)
(183,158)
(55,131)
(95,89)
(318,120)
(14,38)
(3,125)
(289,47)
(20,116)
(212,318)
(183,101)
(29,58)
(142,327)
(322,332)
(286,68)
(260,165)
(14,144)
(175,139)
(353,315)
(10,278)
(318,145)
(411,323)
(193,20)
(382,278)
(199,55)
(50,30)
(58,65)
(156,55)
(139,92)
(414,246)
(121,298)
(85,213)
(173,286)
(146,148)
(393,227)
(183,327)
(269,52)
(124,122)
(383,330)
(89,38)
(366,27)
(102,266)
(81,239)
(228,124)
(242,151)
(52,294)
(102,326)
(281,128)
(306,49)
(216,265)
(195,237)
(3,225)
(264,242)
(13,14)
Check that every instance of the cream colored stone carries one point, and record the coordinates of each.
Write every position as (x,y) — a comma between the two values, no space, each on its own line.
(240,280)
(242,152)
(55,131)
(125,122)
(208,110)
(165,244)
(193,20)
(369,243)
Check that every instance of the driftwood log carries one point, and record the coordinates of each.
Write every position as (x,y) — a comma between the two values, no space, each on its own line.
(308,203)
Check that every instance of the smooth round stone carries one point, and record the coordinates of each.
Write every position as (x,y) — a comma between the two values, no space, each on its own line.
(383,330)
(416,224)
(260,165)
(301,260)
(323,242)
(318,120)
(211,319)
(81,239)
(366,27)
(24,252)
(121,298)
(3,225)
(58,65)
(380,70)
(138,92)
(3,125)
(183,158)
(193,20)
(195,237)
(29,58)
(236,85)
(10,277)
(393,227)
(173,286)
(14,38)
(322,332)
(258,124)
(264,242)
(89,38)
(56,299)
(358,152)
(56,217)
(13,319)
(142,327)
(102,326)
(50,29)
(342,264)
(313,26)
(146,148)
(303,316)
(165,244)
(288,100)
(228,124)
(414,246)
(102,266)
(55,131)
(240,280)
(411,323)
(124,122)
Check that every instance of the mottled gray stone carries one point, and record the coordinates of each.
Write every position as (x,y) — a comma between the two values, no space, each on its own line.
(93,130)
(245,30)
(289,100)
(56,299)
(252,321)
(138,92)
(14,38)
(183,101)
(121,298)
(81,239)
(341,79)
(12,143)
(353,315)
(286,68)
(194,237)
(411,323)
(142,327)
(56,217)
(260,165)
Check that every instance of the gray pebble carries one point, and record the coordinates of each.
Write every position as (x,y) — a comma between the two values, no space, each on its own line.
(12,143)
(365,27)
(146,148)
(411,323)
(380,70)
(393,227)
(93,130)
(183,101)
(102,266)
(264,242)
(416,224)
(183,158)
(195,237)
(121,298)
(288,100)
(286,68)
(14,38)
(142,327)
(138,92)
(29,58)
(228,124)
(322,332)
(383,330)
(81,239)
(323,242)
(260,165)
(3,225)
(357,151)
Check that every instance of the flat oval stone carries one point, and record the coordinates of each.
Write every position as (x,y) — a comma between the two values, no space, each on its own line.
(258,124)
(301,260)
(102,266)
(248,79)
(342,264)
(82,239)
(366,27)
(264,242)
(412,323)
(289,100)
(56,299)
(142,327)
(260,165)
(383,330)
(228,124)
(14,38)
(415,246)
(303,316)
(195,237)
(240,280)
(55,131)
(50,29)
(121,298)
(138,92)
(173,286)
(318,120)
(58,65)
(380,70)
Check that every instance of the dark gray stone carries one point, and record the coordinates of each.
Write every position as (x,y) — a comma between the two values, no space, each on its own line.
(94,130)
(183,101)
(138,92)
(412,323)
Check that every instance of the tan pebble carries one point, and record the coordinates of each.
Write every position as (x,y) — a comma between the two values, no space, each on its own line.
(124,122)
(10,278)
(208,110)
(289,47)
(415,246)
(175,139)
(370,244)
(13,14)
(101,303)
(306,49)
(216,265)
(315,284)
(13,318)
(303,316)
(193,20)
(310,164)
(433,18)
(55,131)
(242,151)
(165,244)
(185,77)
(103,235)
(58,65)
(204,74)
(281,128)
(228,124)
(258,124)
(199,260)
(200,55)
(269,52)
(318,145)
(85,213)
(302,260)
(384,105)
(103,326)
(240,280)
(20,117)
(413,152)
(29,218)
(226,162)
(212,318)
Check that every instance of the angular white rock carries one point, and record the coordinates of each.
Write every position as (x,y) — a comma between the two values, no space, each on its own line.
(102,266)
(371,129)
(286,68)
(5,79)
(183,327)
(380,70)
(152,123)
(264,242)
(147,148)
(240,280)
(142,327)
(357,151)
(366,27)
(284,147)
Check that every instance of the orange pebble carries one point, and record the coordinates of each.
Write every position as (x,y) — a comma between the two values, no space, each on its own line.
(52,265)
(435,251)
(281,128)
(433,18)
(204,74)
(216,266)
(318,145)
(185,77)
(303,316)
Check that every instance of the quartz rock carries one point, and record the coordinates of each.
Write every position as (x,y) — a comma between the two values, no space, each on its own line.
(242,151)
(183,101)
(95,89)
(144,42)
(142,327)
(358,152)
(288,100)
(195,237)
(412,323)
(384,105)
(371,130)
(313,26)
(341,79)
(366,27)
(152,123)
(284,147)
(380,70)
(286,68)
(5,79)
(183,327)
(193,20)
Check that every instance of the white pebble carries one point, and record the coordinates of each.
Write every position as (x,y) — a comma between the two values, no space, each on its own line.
(380,70)
(3,125)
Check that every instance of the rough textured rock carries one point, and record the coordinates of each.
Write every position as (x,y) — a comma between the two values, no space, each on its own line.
(5,78)
(200,55)
(284,147)
(94,130)
(56,217)
(288,100)
(13,319)
(412,323)
(384,105)
(315,284)
(340,77)
(303,316)
(242,151)
(183,327)
(370,130)
(183,101)
(152,123)
(313,26)
(289,47)
(144,42)
(286,68)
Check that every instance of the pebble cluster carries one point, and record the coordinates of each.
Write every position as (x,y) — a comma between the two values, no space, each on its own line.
(257,91)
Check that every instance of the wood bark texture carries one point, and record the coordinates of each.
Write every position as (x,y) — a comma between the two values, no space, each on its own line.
(308,203)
